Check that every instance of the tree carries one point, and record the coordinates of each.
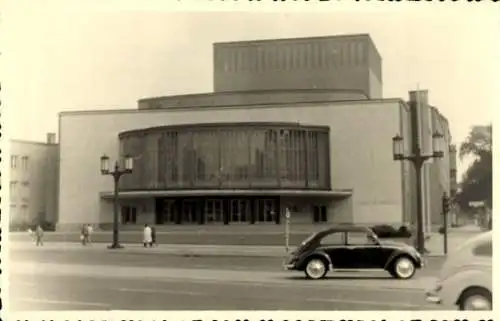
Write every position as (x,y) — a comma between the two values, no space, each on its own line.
(477,181)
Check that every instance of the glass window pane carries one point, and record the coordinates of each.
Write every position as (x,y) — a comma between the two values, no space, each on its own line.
(333,239)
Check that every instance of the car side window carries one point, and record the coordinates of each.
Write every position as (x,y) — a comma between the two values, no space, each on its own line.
(484,249)
(358,238)
(333,239)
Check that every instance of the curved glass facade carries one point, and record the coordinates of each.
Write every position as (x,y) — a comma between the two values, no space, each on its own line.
(227,156)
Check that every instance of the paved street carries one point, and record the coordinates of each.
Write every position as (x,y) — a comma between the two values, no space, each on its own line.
(99,279)
(136,256)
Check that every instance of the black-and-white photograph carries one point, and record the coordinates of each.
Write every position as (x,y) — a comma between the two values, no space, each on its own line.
(327,161)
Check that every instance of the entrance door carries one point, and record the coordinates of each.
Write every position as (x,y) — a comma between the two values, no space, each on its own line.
(188,210)
(213,211)
(239,211)
(266,211)
(168,212)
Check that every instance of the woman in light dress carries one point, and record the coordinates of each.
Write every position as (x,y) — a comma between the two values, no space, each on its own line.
(147,236)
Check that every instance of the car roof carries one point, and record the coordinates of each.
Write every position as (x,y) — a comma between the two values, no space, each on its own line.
(345,228)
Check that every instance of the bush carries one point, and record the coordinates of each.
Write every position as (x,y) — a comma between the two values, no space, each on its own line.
(441,230)
(403,231)
(388,231)
(48,226)
(384,230)
(19,227)
(24,226)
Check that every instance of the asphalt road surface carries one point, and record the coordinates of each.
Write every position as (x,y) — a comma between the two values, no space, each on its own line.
(90,293)
(146,258)
(62,280)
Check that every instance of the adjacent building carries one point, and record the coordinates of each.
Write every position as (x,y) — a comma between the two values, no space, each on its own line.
(294,123)
(33,182)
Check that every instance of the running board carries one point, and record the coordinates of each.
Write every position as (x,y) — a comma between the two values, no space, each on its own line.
(355,270)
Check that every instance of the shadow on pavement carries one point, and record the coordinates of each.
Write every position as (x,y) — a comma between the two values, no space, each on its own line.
(341,277)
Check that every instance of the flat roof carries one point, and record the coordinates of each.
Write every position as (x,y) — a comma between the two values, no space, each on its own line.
(32,142)
(162,110)
(297,39)
(254,92)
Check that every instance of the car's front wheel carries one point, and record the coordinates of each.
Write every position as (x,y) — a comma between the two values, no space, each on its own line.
(315,269)
(475,299)
(403,268)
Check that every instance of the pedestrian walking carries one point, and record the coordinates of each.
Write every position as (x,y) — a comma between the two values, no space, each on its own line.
(147,236)
(90,230)
(153,236)
(31,233)
(84,234)
(39,235)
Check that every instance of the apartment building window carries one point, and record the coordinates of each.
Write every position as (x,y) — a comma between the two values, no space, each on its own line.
(24,162)
(13,161)
(13,188)
(25,183)
(24,213)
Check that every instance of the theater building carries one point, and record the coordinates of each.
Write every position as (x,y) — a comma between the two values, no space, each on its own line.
(292,123)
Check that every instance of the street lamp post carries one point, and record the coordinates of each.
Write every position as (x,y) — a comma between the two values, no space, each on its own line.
(287,229)
(418,159)
(116,173)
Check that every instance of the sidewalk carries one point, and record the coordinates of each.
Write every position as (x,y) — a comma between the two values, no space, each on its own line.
(167,249)
(172,249)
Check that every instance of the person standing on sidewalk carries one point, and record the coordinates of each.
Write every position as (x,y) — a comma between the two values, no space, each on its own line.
(39,235)
(153,236)
(90,229)
(31,233)
(84,234)
(147,236)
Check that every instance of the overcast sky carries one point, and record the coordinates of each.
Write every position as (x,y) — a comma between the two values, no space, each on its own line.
(56,59)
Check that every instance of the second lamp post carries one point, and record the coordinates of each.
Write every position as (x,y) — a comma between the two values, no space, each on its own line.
(116,173)
(418,159)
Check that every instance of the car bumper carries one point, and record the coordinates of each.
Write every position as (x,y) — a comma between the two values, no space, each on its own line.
(288,267)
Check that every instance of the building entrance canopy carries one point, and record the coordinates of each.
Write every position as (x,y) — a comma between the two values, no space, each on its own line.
(332,194)
(230,206)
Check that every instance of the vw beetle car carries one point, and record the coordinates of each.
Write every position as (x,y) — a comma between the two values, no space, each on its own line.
(466,278)
(352,248)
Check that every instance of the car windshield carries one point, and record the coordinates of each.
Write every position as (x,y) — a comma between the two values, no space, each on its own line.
(374,238)
(308,239)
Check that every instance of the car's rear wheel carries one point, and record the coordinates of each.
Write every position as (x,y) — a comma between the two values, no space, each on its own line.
(315,269)
(403,268)
(475,299)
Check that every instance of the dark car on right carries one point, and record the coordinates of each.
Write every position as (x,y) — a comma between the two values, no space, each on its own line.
(348,247)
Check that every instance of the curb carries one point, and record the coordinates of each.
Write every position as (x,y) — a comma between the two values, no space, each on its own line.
(208,251)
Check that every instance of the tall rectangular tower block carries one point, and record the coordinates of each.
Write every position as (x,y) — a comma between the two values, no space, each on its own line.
(349,62)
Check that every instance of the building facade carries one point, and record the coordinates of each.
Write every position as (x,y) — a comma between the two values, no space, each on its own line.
(255,146)
(310,155)
(33,181)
